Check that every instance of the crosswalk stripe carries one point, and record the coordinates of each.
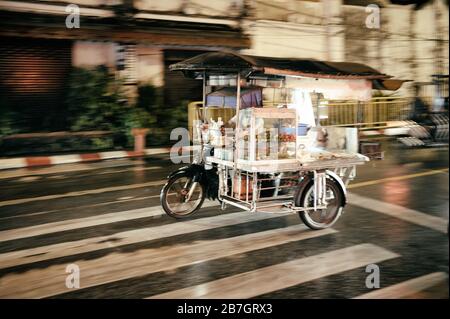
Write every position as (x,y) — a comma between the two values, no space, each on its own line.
(118,266)
(399,212)
(26,256)
(268,279)
(403,213)
(71,224)
(81,193)
(407,288)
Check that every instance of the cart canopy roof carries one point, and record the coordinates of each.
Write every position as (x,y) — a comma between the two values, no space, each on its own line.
(226,62)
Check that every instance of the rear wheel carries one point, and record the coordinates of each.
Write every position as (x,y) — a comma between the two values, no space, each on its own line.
(321,218)
(181,196)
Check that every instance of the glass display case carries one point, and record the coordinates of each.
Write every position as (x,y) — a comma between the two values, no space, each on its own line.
(266,134)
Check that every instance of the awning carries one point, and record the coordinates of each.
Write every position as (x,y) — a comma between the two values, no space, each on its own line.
(229,62)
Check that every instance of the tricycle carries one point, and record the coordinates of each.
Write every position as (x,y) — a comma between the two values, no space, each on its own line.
(270,153)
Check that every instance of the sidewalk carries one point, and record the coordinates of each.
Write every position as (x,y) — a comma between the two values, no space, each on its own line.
(34,161)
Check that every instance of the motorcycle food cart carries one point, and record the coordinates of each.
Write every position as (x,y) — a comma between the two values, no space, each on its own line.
(273,154)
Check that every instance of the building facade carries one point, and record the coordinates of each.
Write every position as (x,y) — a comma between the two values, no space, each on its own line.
(40,41)
(138,39)
(406,41)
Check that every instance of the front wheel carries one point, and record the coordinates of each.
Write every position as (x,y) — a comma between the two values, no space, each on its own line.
(321,218)
(182,196)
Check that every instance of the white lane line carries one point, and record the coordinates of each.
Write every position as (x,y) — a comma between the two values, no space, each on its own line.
(125,197)
(81,193)
(131,169)
(268,279)
(407,288)
(79,207)
(28,179)
(118,266)
(71,224)
(26,256)
(73,167)
(399,212)
(62,168)
(55,176)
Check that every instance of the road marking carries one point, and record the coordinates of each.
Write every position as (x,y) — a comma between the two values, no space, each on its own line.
(56,176)
(119,266)
(81,193)
(396,178)
(399,212)
(80,207)
(76,167)
(26,256)
(109,170)
(125,197)
(268,279)
(162,182)
(62,168)
(71,224)
(407,288)
(27,179)
(131,169)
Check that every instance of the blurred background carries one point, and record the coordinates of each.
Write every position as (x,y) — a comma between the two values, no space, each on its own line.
(89,86)
(75,81)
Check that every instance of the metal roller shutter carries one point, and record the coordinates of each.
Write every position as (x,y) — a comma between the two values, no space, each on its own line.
(33,77)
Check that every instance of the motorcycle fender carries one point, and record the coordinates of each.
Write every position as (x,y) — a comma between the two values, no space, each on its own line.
(185,169)
(194,170)
(341,184)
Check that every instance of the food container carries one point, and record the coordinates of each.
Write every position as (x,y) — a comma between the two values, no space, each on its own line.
(267,134)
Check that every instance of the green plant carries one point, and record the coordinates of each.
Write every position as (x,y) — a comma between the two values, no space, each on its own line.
(136,117)
(94,100)
(102,143)
(148,97)
(8,120)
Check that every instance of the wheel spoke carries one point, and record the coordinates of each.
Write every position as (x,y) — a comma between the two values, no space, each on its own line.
(177,193)
(322,218)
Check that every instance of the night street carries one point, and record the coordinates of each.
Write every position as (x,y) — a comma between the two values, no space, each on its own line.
(105,217)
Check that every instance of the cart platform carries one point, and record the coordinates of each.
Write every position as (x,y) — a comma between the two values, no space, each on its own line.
(335,160)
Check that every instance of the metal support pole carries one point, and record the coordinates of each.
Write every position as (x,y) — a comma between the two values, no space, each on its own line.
(315,99)
(204,97)
(236,134)
(255,195)
(320,189)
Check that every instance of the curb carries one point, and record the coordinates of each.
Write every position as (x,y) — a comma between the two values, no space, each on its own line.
(35,161)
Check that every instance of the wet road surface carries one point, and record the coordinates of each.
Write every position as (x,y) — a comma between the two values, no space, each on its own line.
(105,218)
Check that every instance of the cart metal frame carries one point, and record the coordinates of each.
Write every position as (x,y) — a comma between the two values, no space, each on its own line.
(284,175)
